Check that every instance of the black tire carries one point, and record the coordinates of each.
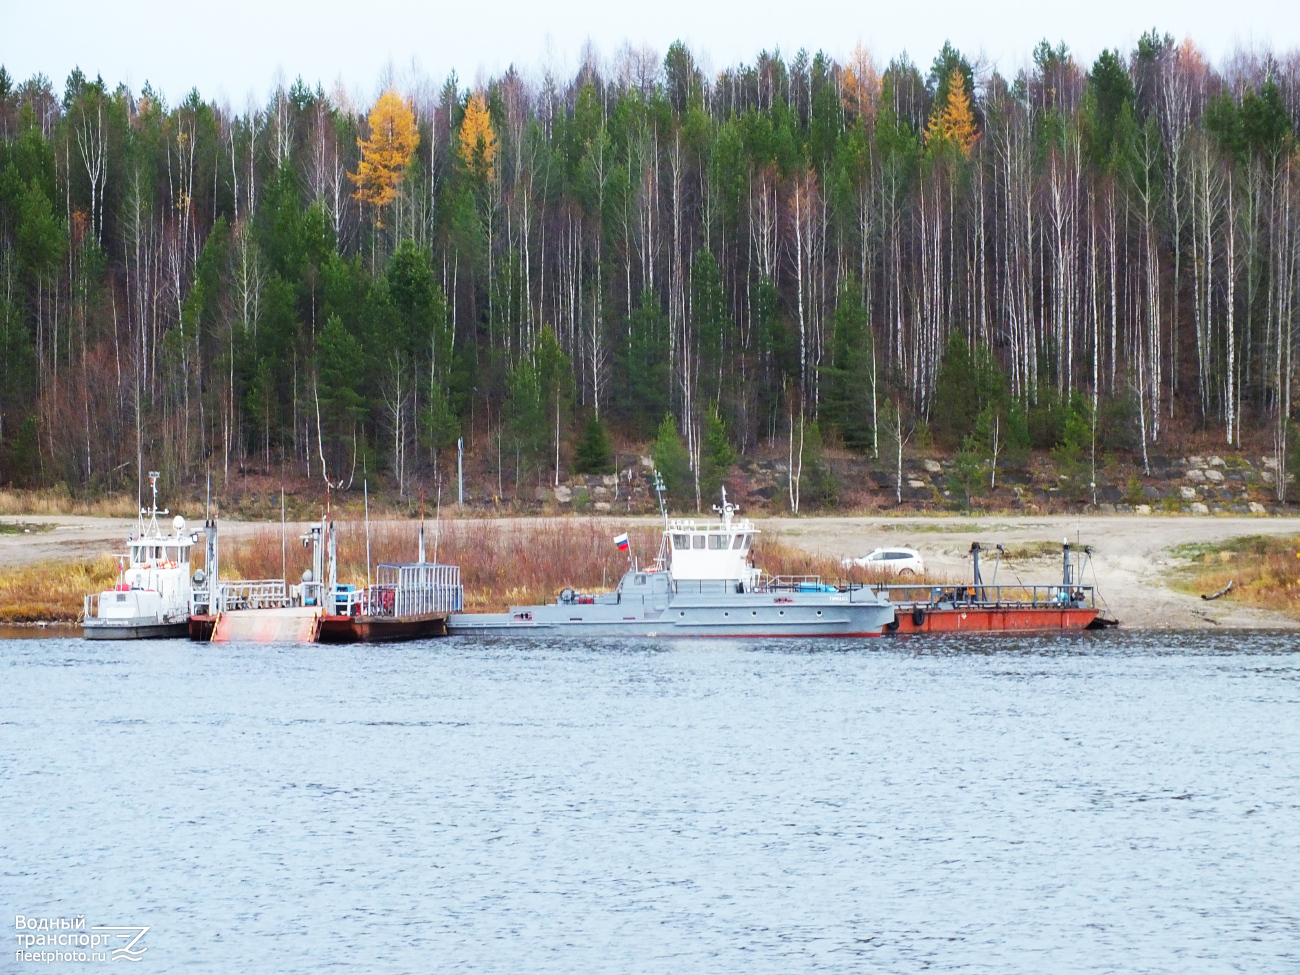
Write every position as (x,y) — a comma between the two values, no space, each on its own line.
(892,625)
(918,617)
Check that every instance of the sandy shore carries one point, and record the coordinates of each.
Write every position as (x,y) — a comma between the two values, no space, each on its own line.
(1131,556)
(1131,553)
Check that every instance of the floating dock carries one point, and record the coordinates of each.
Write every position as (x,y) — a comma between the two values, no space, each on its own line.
(409,600)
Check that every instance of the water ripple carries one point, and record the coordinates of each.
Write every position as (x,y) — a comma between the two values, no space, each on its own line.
(1083,803)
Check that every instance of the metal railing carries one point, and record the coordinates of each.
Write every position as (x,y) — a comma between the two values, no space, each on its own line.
(764,583)
(242,594)
(90,607)
(1009,597)
(416,589)
(413,589)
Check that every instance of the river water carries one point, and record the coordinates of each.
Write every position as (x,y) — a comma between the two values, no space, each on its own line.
(1089,803)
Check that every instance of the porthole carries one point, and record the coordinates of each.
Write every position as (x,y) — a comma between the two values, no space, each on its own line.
(681,614)
(780,612)
(819,612)
(725,613)
(753,612)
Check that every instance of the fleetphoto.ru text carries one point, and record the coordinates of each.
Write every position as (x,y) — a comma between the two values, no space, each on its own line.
(44,940)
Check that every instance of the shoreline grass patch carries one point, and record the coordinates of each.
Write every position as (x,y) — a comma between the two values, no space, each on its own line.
(52,591)
(1264,570)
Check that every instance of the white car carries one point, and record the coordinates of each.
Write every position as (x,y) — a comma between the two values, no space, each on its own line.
(892,561)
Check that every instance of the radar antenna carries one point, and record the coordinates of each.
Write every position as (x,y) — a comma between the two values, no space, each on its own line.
(726,509)
(153,511)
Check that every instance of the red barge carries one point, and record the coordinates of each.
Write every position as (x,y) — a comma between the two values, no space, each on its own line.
(991,608)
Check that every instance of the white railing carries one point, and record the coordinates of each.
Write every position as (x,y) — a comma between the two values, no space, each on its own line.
(90,606)
(253,594)
(413,589)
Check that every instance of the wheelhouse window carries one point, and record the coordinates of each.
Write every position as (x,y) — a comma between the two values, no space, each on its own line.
(640,579)
(717,542)
(738,542)
(697,541)
(681,542)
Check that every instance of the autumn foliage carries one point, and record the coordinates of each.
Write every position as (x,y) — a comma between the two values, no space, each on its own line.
(394,137)
(954,121)
(478,142)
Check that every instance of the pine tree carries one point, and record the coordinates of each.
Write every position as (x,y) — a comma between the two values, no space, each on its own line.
(847,402)
(647,373)
(671,460)
(717,457)
(955,401)
(595,454)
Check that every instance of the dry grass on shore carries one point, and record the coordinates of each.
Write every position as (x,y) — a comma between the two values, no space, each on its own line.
(501,565)
(57,501)
(52,591)
(1264,572)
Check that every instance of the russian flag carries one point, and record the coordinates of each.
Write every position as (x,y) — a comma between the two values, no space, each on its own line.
(622,542)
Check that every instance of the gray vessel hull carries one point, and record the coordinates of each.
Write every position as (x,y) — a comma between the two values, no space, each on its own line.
(858,613)
(143,628)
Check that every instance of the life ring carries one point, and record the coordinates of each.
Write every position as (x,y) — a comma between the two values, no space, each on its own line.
(918,617)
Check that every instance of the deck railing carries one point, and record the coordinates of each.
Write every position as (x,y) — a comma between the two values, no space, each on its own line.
(253,594)
(413,589)
(1012,597)
(230,594)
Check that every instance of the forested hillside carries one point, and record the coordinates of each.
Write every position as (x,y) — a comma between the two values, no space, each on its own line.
(861,253)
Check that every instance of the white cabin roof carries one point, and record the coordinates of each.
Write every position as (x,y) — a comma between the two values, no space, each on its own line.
(702,549)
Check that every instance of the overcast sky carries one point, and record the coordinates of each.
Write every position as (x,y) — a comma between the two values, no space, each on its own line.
(235,48)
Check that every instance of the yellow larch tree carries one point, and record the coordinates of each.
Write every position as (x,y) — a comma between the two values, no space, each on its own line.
(954,121)
(860,82)
(478,141)
(394,137)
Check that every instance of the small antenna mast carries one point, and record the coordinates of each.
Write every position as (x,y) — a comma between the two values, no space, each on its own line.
(437,522)
(659,490)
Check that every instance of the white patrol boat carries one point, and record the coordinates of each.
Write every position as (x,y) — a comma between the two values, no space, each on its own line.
(702,584)
(152,595)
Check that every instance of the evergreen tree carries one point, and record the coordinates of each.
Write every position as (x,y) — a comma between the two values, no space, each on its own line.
(847,391)
(671,460)
(711,321)
(646,367)
(439,426)
(526,413)
(955,405)
(716,458)
(594,454)
(342,408)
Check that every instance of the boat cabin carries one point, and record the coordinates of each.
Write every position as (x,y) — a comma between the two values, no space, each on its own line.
(712,549)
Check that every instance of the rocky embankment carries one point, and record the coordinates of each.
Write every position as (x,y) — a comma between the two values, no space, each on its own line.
(1196,485)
